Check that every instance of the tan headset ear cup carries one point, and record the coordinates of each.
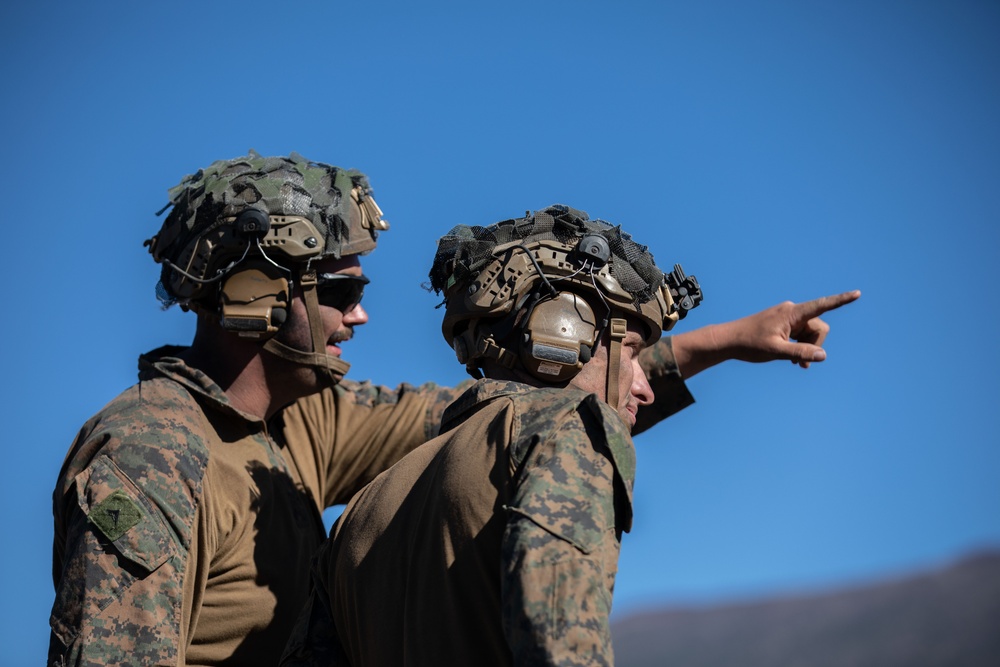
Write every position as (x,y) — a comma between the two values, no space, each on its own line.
(556,332)
(254,301)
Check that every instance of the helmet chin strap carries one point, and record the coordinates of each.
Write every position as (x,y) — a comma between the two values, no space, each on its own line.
(619,327)
(327,364)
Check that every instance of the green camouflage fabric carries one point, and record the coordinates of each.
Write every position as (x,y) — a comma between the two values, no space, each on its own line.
(567,513)
(533,484)
(148,573)
(118,600)
(124,506)
(672,395)
(289,185)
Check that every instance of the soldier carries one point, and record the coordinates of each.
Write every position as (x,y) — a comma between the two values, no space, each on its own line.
(188,508)
(497,542)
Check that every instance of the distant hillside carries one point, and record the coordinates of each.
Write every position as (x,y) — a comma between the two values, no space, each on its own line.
(945,618)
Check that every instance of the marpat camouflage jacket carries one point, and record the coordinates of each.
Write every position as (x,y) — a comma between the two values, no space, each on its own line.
(496,543)
(184,528)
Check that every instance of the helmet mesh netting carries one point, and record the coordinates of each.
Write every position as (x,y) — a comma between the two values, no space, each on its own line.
(277,185)
(289,185)
(464,251)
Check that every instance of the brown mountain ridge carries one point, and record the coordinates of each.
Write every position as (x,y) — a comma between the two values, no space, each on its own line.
(943,618)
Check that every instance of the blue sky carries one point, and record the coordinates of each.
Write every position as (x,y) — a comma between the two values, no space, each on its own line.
(779,150)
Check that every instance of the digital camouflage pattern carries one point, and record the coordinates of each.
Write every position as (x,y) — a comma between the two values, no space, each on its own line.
(184,528)
(534,484)
(120,598)
(672,395)
(563,535)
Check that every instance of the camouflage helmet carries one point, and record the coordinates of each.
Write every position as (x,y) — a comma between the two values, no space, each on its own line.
(295,210)
(540,290)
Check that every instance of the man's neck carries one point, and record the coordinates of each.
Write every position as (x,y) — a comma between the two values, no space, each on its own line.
(238,367)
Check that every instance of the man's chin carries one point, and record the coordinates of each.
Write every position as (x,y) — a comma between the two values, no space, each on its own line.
(321,378)
(327,378)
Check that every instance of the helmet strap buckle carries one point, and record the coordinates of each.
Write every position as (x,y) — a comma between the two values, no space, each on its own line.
(487,347)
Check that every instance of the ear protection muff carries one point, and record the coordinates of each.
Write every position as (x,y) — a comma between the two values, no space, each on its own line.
(559,332)
(254,301)
(551,333)
(557,337)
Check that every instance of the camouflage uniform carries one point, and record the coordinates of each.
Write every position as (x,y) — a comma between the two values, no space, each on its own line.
(494,544)
(184,528)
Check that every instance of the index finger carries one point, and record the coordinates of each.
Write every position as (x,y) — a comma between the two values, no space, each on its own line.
(810,309)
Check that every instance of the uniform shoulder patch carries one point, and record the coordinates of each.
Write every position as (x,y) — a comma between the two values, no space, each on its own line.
(115,515)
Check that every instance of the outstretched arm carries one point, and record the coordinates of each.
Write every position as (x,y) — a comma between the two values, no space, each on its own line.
(792,331)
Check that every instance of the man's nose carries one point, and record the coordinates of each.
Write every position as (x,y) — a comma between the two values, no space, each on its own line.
(357,315)
(641,389)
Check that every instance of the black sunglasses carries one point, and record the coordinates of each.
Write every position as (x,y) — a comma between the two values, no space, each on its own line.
(340,290)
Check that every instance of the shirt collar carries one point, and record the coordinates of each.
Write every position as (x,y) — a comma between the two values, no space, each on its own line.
(482,391)
(165,362)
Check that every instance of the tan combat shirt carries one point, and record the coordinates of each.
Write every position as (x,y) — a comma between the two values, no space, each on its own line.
(184,528)
(496,543)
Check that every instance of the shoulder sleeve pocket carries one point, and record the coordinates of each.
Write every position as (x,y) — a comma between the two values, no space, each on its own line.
(122,515)
(114,539)
(573,522)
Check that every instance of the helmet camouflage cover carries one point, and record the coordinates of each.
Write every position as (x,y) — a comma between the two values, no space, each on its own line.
(315,209)
(493,272)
